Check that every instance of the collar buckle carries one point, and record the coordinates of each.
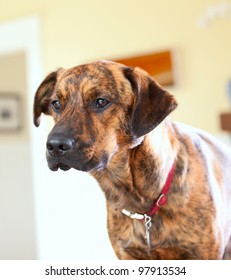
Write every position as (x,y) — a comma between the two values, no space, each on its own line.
(162,200)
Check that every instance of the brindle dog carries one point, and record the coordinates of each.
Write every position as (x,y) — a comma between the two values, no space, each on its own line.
(110,120)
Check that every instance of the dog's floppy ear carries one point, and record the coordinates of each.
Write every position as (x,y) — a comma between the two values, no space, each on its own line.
(152,102)
(43,95)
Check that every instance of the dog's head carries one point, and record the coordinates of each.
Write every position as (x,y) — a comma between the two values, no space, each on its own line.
(98,109)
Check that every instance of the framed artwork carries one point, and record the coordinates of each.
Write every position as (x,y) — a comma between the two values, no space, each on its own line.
(10,115)
(159,65)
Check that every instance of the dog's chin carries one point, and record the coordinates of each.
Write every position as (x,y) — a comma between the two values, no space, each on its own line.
(86,167)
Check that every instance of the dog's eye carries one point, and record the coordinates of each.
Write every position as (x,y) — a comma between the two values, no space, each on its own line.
(101,103)
(56,105)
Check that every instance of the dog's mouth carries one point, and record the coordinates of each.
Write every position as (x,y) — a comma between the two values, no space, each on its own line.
(92,164)
(57,166)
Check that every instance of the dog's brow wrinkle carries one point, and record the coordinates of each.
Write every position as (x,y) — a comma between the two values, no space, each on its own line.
(109,75)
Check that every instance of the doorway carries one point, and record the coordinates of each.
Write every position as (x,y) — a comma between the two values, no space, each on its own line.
(20,71)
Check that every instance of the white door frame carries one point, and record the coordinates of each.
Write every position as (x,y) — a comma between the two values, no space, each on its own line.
(24,35)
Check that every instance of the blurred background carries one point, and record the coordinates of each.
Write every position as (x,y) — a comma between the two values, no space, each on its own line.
(45,215)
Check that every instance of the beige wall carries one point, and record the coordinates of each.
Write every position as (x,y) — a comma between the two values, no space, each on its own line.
(75,31)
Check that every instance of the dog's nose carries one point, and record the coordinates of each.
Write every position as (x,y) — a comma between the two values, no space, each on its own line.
(58,145)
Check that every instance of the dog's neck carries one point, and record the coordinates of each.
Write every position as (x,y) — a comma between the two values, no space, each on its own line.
(135,177)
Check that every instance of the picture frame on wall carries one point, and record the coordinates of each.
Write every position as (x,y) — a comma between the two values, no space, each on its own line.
(10,113)
(160,65)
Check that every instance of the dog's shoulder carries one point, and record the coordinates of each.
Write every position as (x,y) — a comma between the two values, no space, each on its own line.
(202,138)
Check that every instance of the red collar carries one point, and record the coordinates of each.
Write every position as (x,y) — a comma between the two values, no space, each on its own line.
(160,202)
(162,199)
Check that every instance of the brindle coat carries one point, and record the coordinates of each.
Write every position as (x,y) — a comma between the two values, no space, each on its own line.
(110,120)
